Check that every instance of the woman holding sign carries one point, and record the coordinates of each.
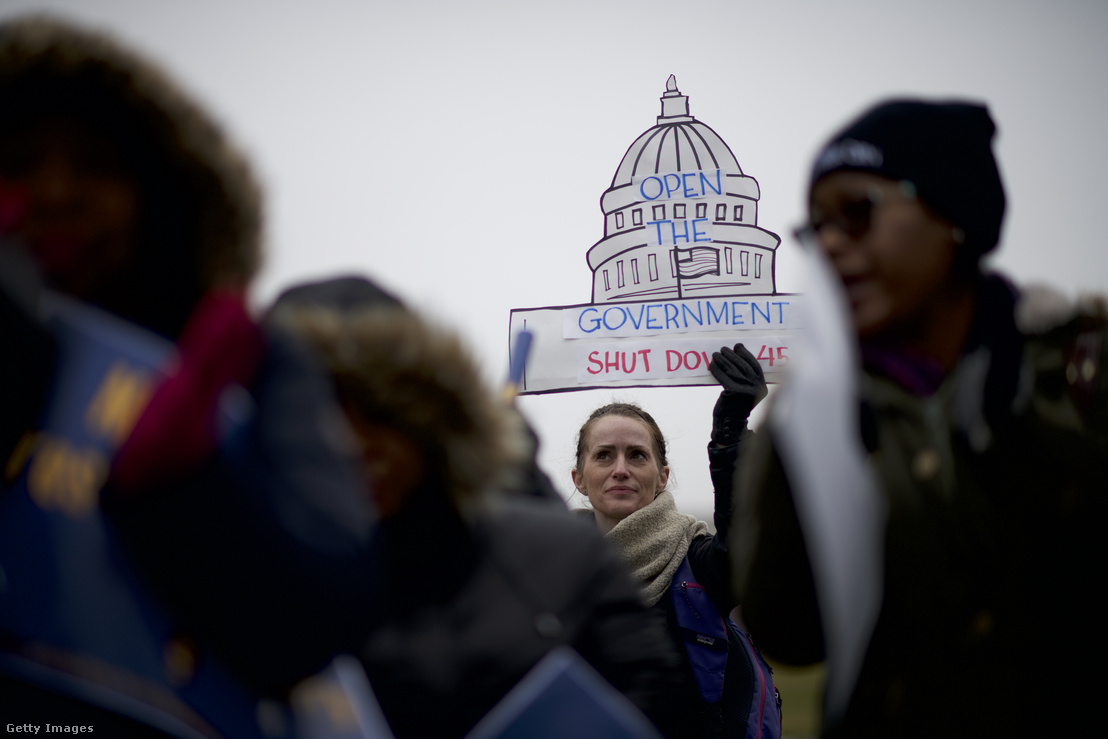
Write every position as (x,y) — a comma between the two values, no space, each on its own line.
(683,570)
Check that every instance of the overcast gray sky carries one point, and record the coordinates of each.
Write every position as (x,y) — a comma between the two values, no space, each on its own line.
(457,151)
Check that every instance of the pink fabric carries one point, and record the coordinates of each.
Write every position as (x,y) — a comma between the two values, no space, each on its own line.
(220,346)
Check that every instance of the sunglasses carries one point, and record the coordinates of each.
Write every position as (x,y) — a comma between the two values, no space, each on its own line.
(855,213)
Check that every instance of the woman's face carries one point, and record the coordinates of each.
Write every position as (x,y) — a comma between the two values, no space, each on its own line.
(392,463)
(620,472)
(893,255)
(81,218)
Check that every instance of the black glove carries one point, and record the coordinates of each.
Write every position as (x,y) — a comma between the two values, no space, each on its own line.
(744,385)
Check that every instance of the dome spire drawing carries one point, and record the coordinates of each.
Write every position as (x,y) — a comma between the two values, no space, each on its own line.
(674,104)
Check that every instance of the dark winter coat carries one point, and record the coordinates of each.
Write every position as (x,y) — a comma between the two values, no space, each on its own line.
(471,606)
(995,553)
(480,580)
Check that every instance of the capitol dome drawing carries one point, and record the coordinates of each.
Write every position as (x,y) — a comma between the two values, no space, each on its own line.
(681,218)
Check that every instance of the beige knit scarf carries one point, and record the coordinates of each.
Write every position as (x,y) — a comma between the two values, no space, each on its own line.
(653,541)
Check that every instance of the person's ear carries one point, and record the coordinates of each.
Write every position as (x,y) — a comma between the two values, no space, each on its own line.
(663,479)
(578,481)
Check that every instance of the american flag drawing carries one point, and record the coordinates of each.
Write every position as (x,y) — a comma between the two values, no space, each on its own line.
(697,261)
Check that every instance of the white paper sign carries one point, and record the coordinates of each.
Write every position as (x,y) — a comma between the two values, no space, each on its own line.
(565,357)
(682,270)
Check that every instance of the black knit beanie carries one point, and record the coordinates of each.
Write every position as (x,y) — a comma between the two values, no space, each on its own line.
(944,149)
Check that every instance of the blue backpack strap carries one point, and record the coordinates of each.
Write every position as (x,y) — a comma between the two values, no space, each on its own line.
(702,630)
(719,649)
(752,703)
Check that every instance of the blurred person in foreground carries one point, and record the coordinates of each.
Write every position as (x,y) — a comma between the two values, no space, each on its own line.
(482,578)
(622,469)
(228,523)
(978,413)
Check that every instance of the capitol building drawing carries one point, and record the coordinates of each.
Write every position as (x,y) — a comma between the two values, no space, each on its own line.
(681,218)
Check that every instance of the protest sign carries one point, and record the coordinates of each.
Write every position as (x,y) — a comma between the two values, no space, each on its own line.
(682,269)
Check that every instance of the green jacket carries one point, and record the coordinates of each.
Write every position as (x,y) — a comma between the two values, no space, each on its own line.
(995,545)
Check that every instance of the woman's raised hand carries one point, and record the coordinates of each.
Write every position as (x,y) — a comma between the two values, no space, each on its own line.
(744,385)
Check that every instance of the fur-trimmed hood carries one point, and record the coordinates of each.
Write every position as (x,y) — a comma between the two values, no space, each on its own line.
(394,368)
(50,67)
